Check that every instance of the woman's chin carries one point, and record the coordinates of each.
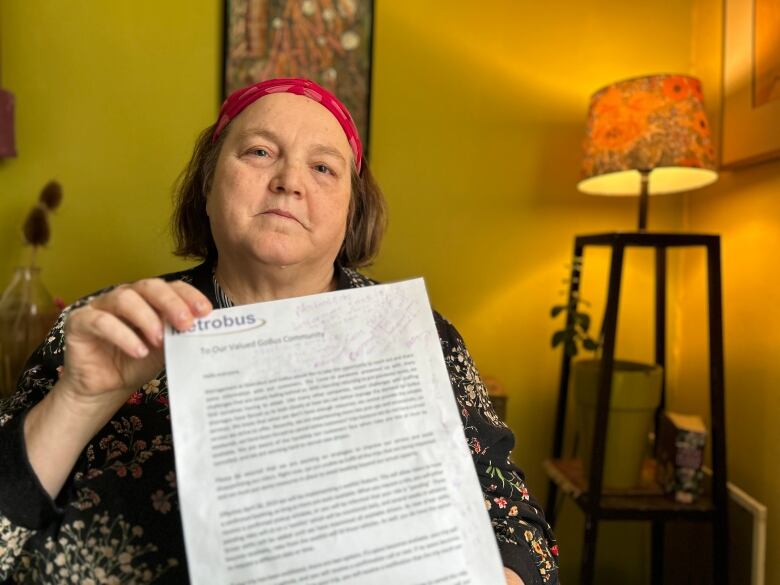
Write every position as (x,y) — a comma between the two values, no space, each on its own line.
(277,253)
(278,258)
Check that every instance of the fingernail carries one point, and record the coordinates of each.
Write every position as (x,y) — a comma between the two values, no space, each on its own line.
(202,306)
(141,351)
(159,337)
(184,317)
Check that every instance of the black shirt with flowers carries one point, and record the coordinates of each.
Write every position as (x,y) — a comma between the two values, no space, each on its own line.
(116,520)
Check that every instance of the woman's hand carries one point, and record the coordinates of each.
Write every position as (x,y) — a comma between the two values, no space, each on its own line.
(112,346)
(512,578)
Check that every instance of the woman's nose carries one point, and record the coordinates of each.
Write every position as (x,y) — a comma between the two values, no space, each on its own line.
(288,180)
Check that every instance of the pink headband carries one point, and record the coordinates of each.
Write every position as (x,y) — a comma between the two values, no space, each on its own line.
(241,98)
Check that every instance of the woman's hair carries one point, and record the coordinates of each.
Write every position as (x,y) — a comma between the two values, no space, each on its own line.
(366,219)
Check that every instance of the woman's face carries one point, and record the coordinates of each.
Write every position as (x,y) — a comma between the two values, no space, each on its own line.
(281,187)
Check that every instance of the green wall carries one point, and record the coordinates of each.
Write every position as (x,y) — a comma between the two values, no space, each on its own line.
(109,98)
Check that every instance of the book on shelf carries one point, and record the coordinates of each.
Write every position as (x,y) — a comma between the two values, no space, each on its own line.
(680,453)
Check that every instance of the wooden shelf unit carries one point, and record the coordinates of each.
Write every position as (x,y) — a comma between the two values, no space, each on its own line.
(567,475)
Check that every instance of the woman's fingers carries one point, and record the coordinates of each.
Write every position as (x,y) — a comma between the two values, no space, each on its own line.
(176,302)
(127,321)
(166,301)
(199,303)
(145,305)
(100,324)
(132,308)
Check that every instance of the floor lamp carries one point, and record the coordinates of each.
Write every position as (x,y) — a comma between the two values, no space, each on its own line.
(647,136)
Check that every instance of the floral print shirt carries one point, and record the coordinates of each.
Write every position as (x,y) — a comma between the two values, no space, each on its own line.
(116,520)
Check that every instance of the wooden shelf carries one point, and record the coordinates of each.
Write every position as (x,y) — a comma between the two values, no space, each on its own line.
(644,502)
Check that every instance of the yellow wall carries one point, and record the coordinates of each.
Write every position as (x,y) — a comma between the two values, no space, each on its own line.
(109,98)
(477,117)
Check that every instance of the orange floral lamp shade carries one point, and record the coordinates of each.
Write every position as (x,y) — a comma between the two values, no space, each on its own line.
(654,124)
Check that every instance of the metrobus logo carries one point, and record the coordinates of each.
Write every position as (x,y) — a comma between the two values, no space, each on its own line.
(223,324)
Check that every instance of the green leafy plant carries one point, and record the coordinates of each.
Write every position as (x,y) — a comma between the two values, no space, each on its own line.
(575,331)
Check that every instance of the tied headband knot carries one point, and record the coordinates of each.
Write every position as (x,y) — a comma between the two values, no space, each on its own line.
(241,98)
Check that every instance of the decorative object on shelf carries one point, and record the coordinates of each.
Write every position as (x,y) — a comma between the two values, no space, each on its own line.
(636,393)
(680,453)
(751,82)
(27,310)
(327,42)
(647,136)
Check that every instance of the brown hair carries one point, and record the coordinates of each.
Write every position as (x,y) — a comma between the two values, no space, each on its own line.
(366,219)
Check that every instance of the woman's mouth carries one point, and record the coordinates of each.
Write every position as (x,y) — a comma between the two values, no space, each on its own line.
(281,213)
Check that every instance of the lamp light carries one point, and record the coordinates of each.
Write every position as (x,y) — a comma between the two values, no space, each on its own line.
(647,136)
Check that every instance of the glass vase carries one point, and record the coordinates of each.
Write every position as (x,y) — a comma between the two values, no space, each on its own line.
(27,312)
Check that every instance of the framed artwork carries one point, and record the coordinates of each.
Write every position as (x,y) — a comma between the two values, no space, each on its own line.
(327,41)
(751,82)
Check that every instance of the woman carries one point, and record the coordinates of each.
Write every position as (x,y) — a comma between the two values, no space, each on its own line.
(278,202)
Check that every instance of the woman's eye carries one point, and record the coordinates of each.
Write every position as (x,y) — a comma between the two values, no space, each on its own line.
(259,152)
(321,169)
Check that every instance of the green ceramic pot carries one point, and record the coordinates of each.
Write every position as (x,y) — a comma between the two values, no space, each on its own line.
(636,394)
